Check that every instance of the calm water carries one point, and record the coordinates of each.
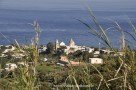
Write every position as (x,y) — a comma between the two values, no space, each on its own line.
(61,25)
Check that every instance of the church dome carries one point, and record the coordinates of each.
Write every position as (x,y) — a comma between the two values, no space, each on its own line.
(71,43)
(62,44)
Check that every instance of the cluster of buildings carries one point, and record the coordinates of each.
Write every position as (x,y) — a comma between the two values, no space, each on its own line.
(64,61)
(6,49)
(72,47)
(10,50)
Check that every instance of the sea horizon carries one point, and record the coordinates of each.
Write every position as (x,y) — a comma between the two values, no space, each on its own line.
(61,25)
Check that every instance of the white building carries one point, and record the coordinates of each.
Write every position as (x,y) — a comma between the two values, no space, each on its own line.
(18,55)
(96,53)
(9,48)
(96,60)
(42,49)
(90,50)
(44,59)
(10,67)
(3,55)
(23,63)
(107,51)
(72,47)
(62,44)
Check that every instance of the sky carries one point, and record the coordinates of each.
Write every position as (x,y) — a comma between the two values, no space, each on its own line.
(68,4)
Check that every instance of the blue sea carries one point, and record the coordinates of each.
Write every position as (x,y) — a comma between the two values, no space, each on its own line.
(63,25)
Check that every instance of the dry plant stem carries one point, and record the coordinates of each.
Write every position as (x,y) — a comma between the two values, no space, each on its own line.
(119,68)
(76,83)
(129,86)
(125,78)
(115,79)
(100,84)
(101,76)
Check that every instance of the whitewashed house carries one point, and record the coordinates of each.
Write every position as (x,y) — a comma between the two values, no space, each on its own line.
(3,55)
(96,60)
(42,49)
(9,48)
(10,67)
(107,51)
(60,64)
(90,50)
(23,64)
(120,53)
(44,59)
(96,53)
(18,55)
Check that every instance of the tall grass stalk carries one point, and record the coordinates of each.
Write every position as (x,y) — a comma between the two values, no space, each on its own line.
(25,78)
(123,61)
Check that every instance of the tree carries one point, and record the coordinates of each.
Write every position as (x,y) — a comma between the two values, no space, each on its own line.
(59,52)
(87,55)
(77,54)
(50,48)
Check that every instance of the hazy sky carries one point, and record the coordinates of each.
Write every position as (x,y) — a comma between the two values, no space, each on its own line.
(68,4)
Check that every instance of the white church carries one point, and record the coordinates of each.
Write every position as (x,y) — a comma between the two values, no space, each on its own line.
(71,48)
